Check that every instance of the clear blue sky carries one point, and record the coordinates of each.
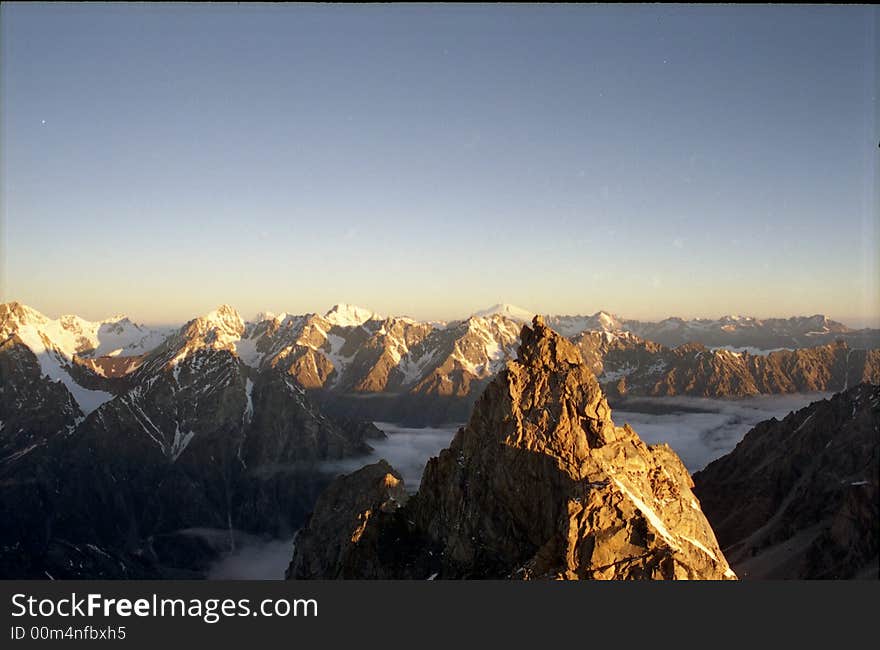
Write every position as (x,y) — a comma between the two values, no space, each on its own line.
(432,160)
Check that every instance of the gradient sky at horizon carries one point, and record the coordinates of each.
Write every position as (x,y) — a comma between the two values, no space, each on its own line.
(650,160)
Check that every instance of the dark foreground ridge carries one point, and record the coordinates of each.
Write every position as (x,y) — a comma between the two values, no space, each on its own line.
(539,484)
(196,450)
(798,497)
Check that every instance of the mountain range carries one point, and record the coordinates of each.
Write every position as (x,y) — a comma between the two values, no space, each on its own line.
(357,364)
(129,451)
(114,474)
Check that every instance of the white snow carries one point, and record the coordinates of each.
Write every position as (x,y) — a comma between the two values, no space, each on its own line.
(700,546)
(658,366)
(246,349)
(510,311)
(615,375)
(496,337)
(335,356)
(124,338)
(143,419)
(345,315)
(181,440)
(221,329)
(807,419)
(570,325)
(607,321)
(601,321)
(249,408)
(52,364)
(270,315)
(413,369)
(115,336)
(656,522)
(224,318)
(494,351)
(748,349)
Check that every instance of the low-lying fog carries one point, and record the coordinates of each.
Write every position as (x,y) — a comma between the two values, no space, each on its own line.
(263,560)
(406,449)
(702,429)
(698,429)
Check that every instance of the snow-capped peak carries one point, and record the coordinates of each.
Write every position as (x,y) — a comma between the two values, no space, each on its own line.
(220,329)
(608,322)
(344,315)
(56,342)
(13,314)
(71,335)
(510,311)
(224,317)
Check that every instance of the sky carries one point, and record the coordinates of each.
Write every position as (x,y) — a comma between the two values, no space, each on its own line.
(432,160)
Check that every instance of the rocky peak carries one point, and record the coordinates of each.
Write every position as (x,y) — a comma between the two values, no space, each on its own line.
(225,316)
(73,322)
(15,314)
(541,347)
(539,484)
(218,326)
(118,325)
(369,492)
(607,322)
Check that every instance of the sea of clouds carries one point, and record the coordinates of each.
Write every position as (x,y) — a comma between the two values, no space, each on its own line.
(702,429)
(406,449)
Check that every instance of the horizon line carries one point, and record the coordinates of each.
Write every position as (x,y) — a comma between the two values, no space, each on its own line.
(861,322)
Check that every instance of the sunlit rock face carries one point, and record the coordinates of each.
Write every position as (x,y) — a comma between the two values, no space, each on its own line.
(539,484)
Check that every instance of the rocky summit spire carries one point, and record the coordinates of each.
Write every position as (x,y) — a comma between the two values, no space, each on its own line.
(539,484)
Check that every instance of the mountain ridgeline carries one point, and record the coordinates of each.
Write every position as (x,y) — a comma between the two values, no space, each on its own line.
(356,364)
(539,484)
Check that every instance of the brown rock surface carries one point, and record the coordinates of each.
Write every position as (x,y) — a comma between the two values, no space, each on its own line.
(340,528)
(539,484)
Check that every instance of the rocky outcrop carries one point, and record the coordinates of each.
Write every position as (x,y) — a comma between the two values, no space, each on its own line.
(341,527)
(798,497)
(539,484)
